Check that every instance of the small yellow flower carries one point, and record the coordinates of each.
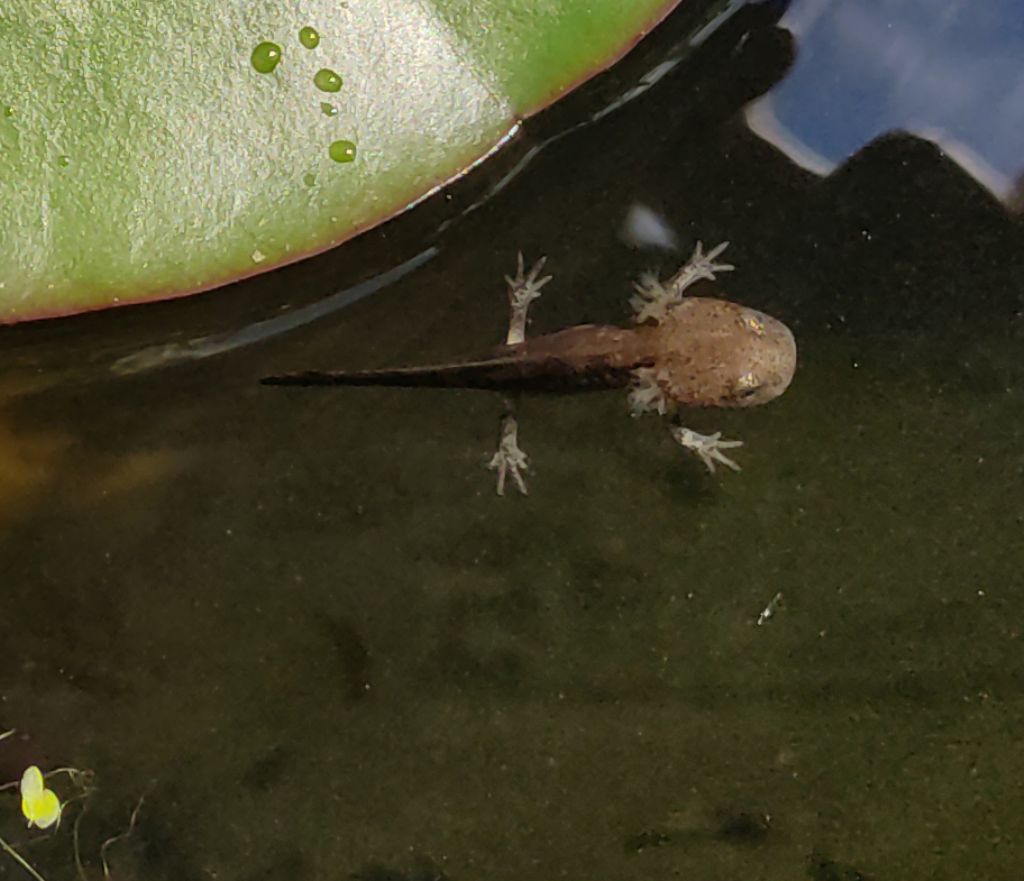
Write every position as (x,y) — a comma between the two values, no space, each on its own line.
(40,805)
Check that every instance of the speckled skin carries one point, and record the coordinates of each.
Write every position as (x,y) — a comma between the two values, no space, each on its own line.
(703,353)
(714,353)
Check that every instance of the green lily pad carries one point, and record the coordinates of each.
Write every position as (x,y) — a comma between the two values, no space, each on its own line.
(148,150)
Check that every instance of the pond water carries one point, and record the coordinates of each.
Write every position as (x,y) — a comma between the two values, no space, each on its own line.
(304,628)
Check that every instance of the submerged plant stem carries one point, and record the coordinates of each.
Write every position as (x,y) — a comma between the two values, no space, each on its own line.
(17,857)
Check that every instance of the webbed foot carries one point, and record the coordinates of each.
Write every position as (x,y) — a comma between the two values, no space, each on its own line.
(708,446)
(509,459)
(523,289)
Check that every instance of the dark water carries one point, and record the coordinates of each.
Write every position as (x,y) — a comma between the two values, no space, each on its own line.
(302,625)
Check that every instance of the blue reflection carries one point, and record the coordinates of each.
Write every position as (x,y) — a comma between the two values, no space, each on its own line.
(951,71)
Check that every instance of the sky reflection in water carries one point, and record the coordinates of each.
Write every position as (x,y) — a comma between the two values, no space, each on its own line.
(947,71)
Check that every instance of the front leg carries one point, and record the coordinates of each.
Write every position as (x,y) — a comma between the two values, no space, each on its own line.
(707,446)
(523,289)
(700,265)
(654,297)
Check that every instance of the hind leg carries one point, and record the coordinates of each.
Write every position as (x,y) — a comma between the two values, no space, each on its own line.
(509,459)
(523,289)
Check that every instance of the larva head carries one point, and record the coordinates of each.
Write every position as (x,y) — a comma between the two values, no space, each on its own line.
(713,353)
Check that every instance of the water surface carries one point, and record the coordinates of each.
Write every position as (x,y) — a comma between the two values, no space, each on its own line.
(305,628)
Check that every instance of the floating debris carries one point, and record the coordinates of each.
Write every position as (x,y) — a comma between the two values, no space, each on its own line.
(773,606)
(40,805)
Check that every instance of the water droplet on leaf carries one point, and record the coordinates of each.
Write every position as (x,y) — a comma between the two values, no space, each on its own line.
(266,56)
(328,109)
(342,151)
(309,37)
(309,180)
(327,80)
(63,161)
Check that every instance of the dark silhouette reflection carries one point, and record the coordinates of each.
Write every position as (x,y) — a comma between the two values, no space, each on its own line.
(1015,201)
(899,249)
(899,244)
(868,67)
